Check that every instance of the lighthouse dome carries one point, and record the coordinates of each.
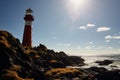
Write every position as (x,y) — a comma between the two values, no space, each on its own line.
(29,11)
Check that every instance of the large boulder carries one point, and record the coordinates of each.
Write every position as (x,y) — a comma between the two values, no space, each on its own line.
(109,75)
(105,62)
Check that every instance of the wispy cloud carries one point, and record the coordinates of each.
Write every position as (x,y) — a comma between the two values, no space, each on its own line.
(112,37)
(101,29)
(87,26)
(65,45)
(90,25)
(107,41)
(108,37)
(88,47)
(83,27)
(91,43)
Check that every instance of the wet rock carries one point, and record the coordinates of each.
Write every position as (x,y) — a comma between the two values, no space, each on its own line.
(105,62)
(5,59)
(109,75)
(114,66)
(101,73)
(56,64)
(97,69)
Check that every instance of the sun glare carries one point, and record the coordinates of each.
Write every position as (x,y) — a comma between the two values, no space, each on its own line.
(76,4)
(77,7)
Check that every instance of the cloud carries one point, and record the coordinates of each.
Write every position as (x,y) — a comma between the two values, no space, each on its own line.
(104,48)
(91,43)
(88,47)
(108,37)
(87,26)
(83,27)
(107,41)
(90,25)
(65,45)
(112,37)
(101,29)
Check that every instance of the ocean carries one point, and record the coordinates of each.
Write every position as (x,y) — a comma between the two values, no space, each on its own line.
(91,59)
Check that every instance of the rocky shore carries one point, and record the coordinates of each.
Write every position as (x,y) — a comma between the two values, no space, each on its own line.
(18,62)
(105,62)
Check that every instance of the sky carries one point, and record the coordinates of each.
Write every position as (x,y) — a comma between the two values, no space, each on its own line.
(77,27)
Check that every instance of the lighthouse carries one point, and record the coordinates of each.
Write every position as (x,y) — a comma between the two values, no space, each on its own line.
(27,35)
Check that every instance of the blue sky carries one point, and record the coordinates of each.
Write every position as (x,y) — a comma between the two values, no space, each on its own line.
(74,26)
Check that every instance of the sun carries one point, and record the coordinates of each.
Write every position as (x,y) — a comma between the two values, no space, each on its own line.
(77,7)
(76,4)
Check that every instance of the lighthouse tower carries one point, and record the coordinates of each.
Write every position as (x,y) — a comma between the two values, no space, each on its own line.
(27,35)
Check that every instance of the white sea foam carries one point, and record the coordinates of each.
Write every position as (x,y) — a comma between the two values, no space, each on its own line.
(90,61)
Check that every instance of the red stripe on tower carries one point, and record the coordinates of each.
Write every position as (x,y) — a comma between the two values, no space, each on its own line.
(27,36)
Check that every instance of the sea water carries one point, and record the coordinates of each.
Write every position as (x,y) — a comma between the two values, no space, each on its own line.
(91,59)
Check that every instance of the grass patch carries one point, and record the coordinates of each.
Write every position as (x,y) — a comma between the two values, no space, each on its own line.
(15,68)
(4,42)
(12,75)
(61,72)
(53,61)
